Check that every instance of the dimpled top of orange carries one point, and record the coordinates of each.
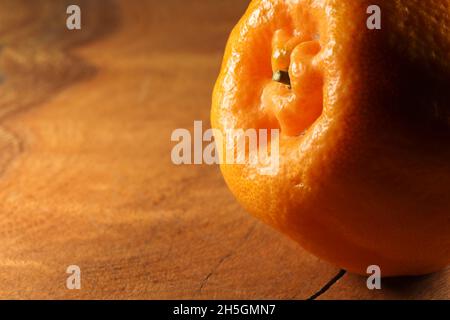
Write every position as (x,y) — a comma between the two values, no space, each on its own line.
(364,172)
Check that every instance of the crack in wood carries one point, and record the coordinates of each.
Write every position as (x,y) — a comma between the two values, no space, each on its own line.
(222,260)
(328,285)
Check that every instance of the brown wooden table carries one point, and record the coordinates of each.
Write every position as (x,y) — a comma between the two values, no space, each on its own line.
(86,176)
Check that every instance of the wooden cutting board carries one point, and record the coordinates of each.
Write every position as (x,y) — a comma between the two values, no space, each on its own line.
(85,172)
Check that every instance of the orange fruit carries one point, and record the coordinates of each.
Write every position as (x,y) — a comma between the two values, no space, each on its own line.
(364,119)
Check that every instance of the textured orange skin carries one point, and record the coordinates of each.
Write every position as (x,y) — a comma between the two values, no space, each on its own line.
(368,182)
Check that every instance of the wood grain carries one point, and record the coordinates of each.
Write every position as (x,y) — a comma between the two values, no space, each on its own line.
(85,171)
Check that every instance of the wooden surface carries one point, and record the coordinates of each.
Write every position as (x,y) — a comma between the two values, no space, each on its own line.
(85,170)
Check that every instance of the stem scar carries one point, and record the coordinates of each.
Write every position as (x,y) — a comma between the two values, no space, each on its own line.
(282,77)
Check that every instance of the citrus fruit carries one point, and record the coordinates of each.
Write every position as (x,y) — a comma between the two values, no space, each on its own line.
(364,120)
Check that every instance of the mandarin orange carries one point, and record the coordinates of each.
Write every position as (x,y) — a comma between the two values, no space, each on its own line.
(364,117)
